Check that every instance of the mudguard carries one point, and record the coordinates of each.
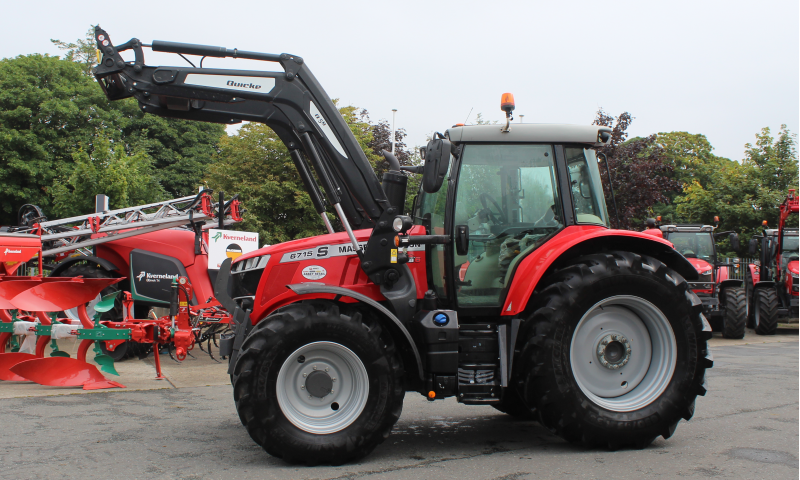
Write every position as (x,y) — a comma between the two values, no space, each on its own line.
(103,263)
(578,240)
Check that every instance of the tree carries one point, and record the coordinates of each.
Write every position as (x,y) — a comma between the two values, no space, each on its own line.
(48,109)
(640,174)
(256,164)
(126,179)
(692,160)
(182,150)
(743,195)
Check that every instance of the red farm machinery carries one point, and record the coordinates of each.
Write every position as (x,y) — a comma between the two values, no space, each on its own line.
(504,287)
(723,297)
(772,283)
(104,268)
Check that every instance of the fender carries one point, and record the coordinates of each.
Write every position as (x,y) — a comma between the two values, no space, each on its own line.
(755,273)
(101,262)
(397,325)
(731,282)
(577,240)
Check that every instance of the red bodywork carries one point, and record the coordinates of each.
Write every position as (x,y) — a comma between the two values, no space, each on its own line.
(177,243)
(288,261)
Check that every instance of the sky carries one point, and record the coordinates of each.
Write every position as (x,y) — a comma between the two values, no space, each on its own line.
(724,69)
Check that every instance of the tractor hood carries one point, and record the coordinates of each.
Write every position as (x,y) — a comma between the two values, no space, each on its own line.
(700,265)
(793,267)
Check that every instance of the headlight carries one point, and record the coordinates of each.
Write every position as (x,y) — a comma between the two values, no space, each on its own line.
(254,263)
(707,272)
(795,275)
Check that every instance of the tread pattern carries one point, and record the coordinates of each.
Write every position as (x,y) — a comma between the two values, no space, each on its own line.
(766,301)
(545,373)
(259,362)
(735,319)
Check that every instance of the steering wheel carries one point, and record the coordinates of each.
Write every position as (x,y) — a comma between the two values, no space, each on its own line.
(483,197)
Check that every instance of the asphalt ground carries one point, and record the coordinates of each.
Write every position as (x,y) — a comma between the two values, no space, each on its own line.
(746,427)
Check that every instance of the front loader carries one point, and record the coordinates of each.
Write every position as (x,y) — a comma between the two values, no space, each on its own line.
(772,283)
(504,288)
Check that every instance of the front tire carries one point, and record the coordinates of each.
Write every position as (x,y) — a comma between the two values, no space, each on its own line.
(735,314)
(765,311)
(616,351)
(332,414)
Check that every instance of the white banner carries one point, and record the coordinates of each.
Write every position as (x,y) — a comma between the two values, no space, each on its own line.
(224,244)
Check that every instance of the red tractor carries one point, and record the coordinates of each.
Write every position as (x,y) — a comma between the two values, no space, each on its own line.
(724,303)
(772,289)
(505,287)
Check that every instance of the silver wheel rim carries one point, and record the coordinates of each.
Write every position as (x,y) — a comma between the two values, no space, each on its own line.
(317,413)
(642,373)
(72,313)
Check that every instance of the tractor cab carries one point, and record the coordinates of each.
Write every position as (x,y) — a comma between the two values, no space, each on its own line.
(503,198)
(696,243)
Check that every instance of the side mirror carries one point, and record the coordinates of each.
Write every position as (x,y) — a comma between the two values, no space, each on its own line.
(751,249)
(462,239)
(437,158)
(734,239)
(650,222)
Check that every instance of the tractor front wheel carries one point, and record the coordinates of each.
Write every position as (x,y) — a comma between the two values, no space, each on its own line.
(735,313)
(616,351)
(317,385)
(765,311)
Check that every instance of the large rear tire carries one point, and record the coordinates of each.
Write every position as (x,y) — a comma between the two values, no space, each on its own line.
(314,384)
(735,314)
(615,353)
(765,310)
(512,404)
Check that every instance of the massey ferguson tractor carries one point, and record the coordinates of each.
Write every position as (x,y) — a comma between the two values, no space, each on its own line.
(505,287)
(724,303)
(772,288)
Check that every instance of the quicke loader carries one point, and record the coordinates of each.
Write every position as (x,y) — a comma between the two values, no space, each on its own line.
(504,287)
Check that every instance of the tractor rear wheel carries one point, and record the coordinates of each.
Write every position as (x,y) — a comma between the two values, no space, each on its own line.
(735,314)
(317,384)
(615,353)
(512,404)
(765,311)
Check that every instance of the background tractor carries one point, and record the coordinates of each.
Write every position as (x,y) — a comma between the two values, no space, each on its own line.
(772,288)
(724,302)
(505,287)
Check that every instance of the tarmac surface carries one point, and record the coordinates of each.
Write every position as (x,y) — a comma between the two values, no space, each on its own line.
(186,427)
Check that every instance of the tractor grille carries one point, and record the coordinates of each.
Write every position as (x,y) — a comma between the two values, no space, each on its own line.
(475,377)
(478,364)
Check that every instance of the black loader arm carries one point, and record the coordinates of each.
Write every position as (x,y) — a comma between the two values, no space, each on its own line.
(290,101)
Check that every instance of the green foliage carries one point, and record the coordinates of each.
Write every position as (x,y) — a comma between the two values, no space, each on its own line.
(255,164)
(48,108)
(743,195)
(126,179)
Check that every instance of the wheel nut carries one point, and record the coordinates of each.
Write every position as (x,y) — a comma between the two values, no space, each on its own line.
(305,374)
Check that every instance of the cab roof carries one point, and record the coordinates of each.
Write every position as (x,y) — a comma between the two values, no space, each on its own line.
(529,133)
